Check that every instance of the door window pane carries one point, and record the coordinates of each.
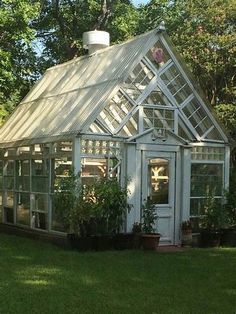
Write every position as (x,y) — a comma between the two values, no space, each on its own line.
(159,180)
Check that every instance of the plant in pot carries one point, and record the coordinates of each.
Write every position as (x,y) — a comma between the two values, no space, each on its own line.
(150,238)
(110,209)
(137,234)
(212,222)
(229,232)
(186,233)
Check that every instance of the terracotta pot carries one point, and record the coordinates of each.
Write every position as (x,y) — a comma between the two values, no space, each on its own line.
(187,237)
(150,241)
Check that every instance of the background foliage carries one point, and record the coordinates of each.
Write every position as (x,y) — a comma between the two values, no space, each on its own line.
(36,34)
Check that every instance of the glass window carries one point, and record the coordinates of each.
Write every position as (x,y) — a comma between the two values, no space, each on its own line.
(208,153)
(93,168)
(197,116)
(60,213)
(206,179)
(23,208)
(40,175)
(159,181)
(1,174)
(158,55)
(9,207)
(9,174)
(0,206)
(158,118)
(114,113)
(39,204)
(176,84)
(156,97)
(61,168)
(138,80)
(23,175)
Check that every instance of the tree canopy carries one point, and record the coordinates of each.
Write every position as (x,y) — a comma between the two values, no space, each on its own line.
(203,31)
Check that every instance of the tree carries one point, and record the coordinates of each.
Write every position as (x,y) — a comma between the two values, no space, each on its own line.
(205,33)
(17,55)
(63,22)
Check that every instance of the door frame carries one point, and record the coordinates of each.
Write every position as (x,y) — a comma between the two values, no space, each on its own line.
(173,156)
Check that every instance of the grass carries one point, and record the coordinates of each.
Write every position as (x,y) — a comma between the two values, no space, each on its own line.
(36,277)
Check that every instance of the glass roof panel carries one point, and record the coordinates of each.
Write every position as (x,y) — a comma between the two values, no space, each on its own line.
(138,80)
(176,84)
(158,55)
(157,97)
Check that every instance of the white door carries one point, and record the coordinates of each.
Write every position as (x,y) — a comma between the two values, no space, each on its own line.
(158,184)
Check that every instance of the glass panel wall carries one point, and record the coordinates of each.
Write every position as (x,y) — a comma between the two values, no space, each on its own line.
(138,80)
(40,175)
(23,208)
(61,169)
(206,181)
(39,205)
(23,175)
(9,207)
(9,174)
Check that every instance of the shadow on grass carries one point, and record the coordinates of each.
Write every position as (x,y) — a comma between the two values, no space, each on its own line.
(41,278)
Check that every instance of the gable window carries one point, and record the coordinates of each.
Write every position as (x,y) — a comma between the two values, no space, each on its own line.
(138,80)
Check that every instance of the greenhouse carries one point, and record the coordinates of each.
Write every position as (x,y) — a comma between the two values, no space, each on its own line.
(130,111)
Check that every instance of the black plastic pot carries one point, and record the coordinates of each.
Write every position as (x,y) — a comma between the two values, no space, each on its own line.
(210,238)
(123,241)
(82,243)
(228,237)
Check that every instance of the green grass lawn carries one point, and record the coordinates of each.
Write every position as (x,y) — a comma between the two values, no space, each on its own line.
(36,277)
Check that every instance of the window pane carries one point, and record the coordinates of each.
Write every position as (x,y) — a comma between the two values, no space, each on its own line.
(1,173)
(0,206)
(40,175)
(9,207)
(159,181)
(59,213)
(22,175)
(158,55)
(9,175)
(93,168)
(206,179)
(23,208)
(39,204)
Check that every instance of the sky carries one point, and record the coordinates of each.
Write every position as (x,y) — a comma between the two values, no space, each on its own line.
(137,2)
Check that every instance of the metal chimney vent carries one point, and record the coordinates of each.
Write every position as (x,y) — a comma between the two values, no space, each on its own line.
(95,40)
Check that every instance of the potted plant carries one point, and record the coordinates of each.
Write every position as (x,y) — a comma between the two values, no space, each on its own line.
(186,233)
(229,232)
(212,222)
(150,238)
(137,233)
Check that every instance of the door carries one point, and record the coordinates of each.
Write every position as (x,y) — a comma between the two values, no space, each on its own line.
(158,184)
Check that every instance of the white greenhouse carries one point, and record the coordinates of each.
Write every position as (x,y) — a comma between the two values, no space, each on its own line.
(131,111)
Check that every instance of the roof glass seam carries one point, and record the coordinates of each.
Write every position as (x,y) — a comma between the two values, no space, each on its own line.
(71,91)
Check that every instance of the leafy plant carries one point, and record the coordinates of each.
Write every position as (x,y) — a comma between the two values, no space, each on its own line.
(215,216)
(149,217)
(110,204)
(137,227)
(186,225)
(230,205)
(98,208)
